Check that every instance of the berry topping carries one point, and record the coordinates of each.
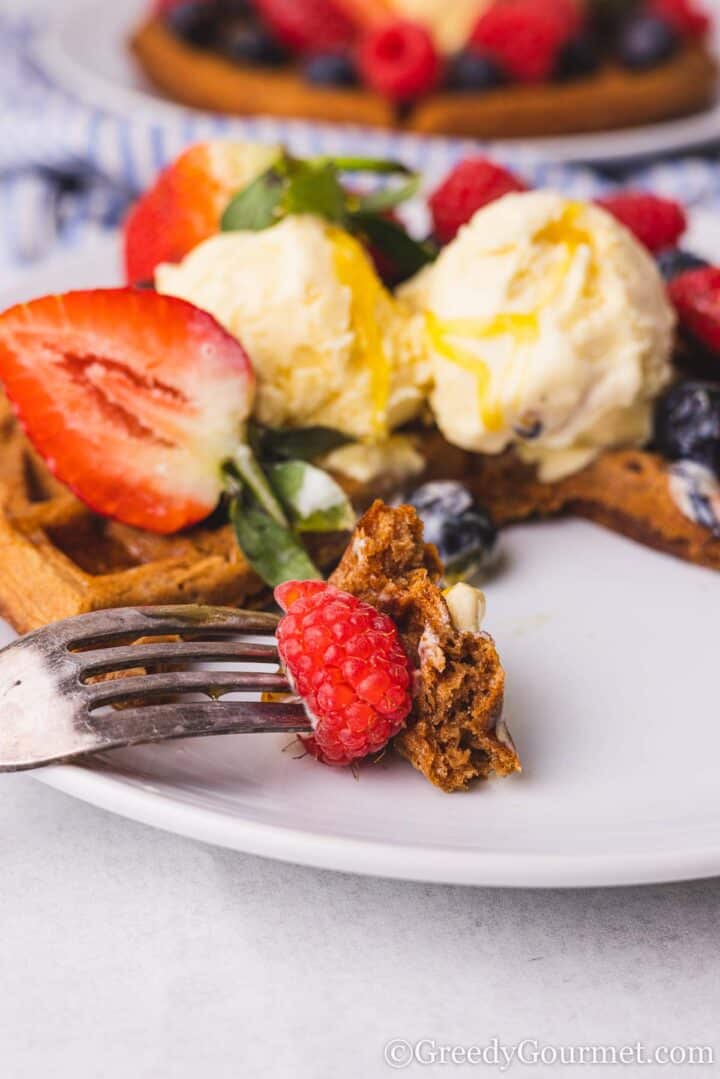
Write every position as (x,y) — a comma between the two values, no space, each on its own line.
(472,184)
(687,423)
(194,21)
(654,221)
(674,261)
(247,43)
(696,295)
(347,662)
(184,205)
(461,529)
(645,41)
(308,25)
(133,399)
(399,60)
(527,37)
(687,17)
(579,57)
(331,69)
(472,70)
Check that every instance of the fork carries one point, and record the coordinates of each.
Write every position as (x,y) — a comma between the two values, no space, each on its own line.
(53,708)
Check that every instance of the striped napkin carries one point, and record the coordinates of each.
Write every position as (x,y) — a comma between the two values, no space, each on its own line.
(67,169)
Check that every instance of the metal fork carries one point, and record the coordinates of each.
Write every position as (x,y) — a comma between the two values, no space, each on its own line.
(52,708)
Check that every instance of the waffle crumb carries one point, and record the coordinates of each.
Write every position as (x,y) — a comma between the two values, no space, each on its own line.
(455,733)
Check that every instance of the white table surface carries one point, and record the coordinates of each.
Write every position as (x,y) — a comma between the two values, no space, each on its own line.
(127,952)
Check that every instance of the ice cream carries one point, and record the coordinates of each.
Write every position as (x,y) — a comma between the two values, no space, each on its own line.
(548,328)
(450,22)
(330,346)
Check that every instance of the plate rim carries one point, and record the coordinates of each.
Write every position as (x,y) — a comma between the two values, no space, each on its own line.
(613,147)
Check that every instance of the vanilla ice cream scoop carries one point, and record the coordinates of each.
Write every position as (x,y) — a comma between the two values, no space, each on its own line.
(548,328)
(330,346)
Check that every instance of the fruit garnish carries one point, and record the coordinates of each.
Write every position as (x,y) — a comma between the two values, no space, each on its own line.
(675,260)
(331,69)
(646,40)
(139,403)
(687,424)
(655,221)
(347,662)
(526,37)
(472,184)
(133,399)
(308,25)
(399,60)
(470,71)
(184,205)
(696,296)
(459,526)
(687,17)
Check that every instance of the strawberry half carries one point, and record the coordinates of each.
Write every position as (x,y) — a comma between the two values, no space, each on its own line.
(134,400)
(186,202)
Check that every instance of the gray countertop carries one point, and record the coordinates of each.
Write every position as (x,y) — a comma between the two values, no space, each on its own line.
(131,953)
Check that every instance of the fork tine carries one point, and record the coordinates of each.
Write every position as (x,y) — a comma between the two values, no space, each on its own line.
(98,626)
(161,722)
(215,683)
(139,655)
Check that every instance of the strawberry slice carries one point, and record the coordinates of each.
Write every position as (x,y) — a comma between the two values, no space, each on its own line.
(186,202)
(133,399)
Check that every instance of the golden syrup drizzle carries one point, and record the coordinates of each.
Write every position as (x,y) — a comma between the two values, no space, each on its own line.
(356,272)
(522,328)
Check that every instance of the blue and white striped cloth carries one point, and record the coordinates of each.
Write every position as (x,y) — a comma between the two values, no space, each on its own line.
(67,169)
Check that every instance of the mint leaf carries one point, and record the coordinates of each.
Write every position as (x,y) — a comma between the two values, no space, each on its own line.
(315,502)
(405,254)
(272,549)
(257,206)
(378,165)
(316,190)
(387,198)
(304,443)
(245,465)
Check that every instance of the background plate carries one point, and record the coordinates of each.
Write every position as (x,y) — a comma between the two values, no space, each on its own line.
(85,51)
(610,651)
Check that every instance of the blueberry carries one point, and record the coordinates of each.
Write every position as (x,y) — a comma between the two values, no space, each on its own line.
(246,43)
(687,423)
(646,41)
(461,529)
(675,261)
(331,69)
(194,21)
(579,57)
(471,70)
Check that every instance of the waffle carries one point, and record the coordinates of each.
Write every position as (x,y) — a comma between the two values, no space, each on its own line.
(613,98)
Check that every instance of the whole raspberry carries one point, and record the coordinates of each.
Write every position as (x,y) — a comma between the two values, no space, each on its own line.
(308,26)
(399,60)
(347,662)
(696,295)
(687,17)
(471,185)
(656,222)
(526,37)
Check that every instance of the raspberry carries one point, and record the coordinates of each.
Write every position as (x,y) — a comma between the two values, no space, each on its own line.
(696,295)
(308,26)
(656,222)
(686,17)
(527,37)
(347,662)
(399,60)
(471,185)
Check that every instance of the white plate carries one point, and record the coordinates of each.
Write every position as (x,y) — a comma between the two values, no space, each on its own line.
(611,655)
(85,51)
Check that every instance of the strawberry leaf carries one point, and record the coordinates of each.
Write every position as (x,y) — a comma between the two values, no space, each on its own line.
(315,502)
